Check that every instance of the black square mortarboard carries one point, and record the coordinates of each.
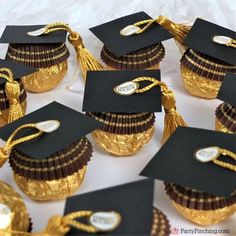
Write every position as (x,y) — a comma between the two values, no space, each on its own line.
(100,97)
(73,126)
(200,37)
(175,162)
(17,34)
(18,70)
(227,92)
(134,201)
(109,34)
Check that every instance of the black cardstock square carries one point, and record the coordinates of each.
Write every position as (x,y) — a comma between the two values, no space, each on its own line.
(18,34)
(227,92)
(73,126)
(134,201)
(109,34)
(100,97)
(18,70)
(200,38)
(175,162)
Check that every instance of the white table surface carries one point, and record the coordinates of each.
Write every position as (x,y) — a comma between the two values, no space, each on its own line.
(104,170)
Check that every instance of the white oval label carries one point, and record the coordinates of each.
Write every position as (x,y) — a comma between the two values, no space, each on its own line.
(129,30)
(221,39)
(207,154)
(5,216)
(48,126)
(105,221)
(127,88)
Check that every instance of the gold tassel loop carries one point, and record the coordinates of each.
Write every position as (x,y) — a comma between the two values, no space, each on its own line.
(172,118)
(86,60)
(179,31)
(42,127)
(12,89)
(61,225)
(6,150)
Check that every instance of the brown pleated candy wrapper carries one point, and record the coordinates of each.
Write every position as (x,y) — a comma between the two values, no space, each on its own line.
(4,103)
(123,134)
(55,177)
(202,74)
(50,59)
(160,226)
(146,58)
(226,118)
(199,207)
(20,220)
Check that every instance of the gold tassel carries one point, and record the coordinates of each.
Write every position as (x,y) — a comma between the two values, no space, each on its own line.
(172,117)
(86,60)
(12,89)
(179,31)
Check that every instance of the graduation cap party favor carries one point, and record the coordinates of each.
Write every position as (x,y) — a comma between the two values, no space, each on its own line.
(12,93)
(226,111)
(48,151)
(13,212)
(124,51)
(43,47)
(124,103)
(199,170)
(121,210)
(210,54)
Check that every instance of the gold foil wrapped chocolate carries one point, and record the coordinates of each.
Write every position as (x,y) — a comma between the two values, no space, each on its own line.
(199,207)
(123,134)
(55,177)
(50,59)
(225,118)
(13,212)
(202,74)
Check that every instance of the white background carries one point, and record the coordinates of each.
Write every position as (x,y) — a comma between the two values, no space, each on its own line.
(103,170)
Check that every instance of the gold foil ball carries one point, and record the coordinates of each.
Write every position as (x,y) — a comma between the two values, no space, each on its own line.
(44,190)
(45,79)
(13,209)
(122,144)
(205,217)
(199,86)
(220,127)
(4,114)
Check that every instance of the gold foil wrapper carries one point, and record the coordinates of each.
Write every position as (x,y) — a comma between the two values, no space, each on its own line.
(199,86)
(205,217)
(4,114)
(46,78)
(122,144)
(40,190)
(19,214)
(220,127)
(155,67)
